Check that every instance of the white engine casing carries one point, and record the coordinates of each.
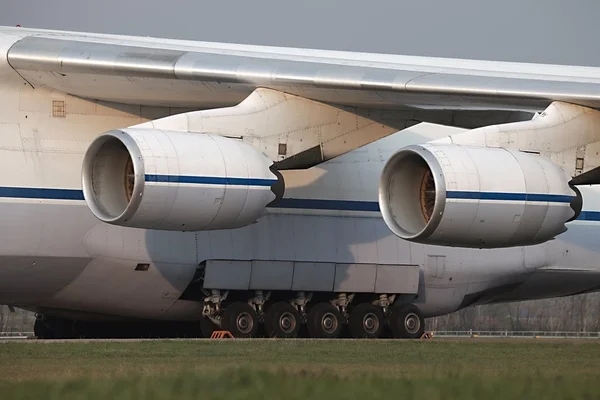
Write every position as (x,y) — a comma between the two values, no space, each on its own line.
(167,180)
(474,196)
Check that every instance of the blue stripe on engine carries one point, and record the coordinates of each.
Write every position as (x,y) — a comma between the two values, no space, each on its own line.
(551,198)
(210,180)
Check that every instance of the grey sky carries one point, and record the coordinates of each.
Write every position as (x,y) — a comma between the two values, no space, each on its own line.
(549,31)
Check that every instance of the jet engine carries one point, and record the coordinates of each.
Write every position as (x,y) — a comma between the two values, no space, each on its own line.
(479,197)
(177,181)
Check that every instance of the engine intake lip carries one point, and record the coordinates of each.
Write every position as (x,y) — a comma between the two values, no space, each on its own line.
(113,177)
(408,206)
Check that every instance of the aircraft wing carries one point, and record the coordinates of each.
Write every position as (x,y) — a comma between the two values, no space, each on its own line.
(150,71)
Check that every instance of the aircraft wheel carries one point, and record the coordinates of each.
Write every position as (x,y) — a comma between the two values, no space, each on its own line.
(207,327)
(366,321)
(54,328)
(240,319)
(63,328)
(324,321)
(406,321)
(40,330)
(282,320)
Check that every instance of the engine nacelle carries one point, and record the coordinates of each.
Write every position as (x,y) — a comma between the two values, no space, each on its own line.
(475,196)
(177,181)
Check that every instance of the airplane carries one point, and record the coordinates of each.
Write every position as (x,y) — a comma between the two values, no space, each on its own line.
(182,187)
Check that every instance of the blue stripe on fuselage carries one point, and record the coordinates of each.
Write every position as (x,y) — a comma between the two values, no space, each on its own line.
(41,193)
(289,203)
(589,216)
(317,204)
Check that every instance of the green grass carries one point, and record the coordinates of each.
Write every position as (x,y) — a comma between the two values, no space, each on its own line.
(262,369)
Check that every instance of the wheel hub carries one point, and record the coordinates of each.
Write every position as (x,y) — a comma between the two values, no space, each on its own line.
(287,322)
(370,323)
(329,323)
(244,322)
(412,323)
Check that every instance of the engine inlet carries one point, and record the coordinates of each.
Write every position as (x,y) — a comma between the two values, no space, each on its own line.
(411,192)
(129,178)
(427,195)
(109,178)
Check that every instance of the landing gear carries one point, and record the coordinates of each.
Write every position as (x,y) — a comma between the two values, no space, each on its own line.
(41,330)
(324,321)
(366,321)
(207,327)
(406,321)
(282,320)
(253,314)
(240,319)
(47,327)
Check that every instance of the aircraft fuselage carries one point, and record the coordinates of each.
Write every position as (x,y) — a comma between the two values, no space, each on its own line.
(57,258)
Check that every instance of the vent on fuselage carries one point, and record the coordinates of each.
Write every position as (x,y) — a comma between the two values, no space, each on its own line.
(59,109)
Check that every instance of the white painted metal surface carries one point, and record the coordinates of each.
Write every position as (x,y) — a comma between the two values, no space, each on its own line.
(283,126)
(154,179)
(56,257)
(567,134)
(474,196)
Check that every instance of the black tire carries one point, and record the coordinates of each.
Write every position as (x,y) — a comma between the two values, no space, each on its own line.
(40,329)
(282,320)
(54,328)
(406,321)
(63,328)
(207,327)
(240,319)
(324,321)
(366,322)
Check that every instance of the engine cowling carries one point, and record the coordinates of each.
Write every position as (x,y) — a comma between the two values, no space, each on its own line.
(177,181)
(480,197)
